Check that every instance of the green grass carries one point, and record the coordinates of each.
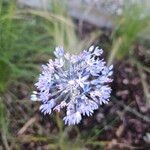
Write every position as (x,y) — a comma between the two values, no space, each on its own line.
(4,133)
(129,26)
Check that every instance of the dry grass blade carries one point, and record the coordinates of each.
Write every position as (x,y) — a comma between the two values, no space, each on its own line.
(29,138)
(46,15)
(3,126)
(26,125)
(145,85)
(86,43)
(114,50)
(133,111)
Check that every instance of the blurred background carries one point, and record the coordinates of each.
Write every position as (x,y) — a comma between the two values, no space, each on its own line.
(29,32)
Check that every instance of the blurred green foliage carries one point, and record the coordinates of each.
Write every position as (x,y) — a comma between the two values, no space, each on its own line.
(5,36)
(132,22)
(4,131)
(5,71)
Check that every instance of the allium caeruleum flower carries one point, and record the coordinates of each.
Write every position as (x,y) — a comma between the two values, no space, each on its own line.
(78,82)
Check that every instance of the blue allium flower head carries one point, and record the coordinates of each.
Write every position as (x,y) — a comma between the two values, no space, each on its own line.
(80,83)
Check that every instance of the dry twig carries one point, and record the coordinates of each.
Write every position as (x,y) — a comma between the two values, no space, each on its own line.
(26,125)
